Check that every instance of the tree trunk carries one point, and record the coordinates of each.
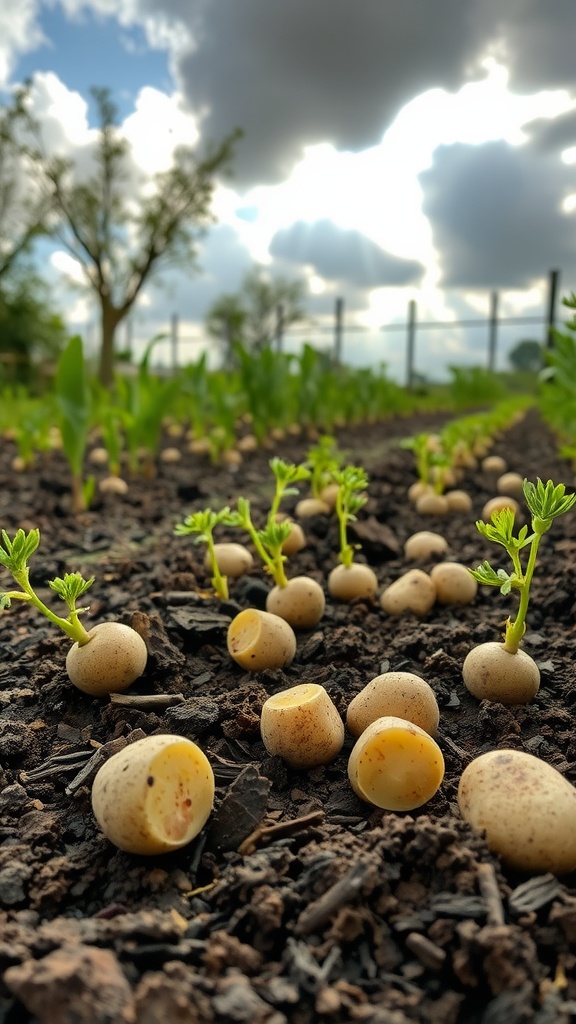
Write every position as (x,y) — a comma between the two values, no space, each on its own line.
(110,318)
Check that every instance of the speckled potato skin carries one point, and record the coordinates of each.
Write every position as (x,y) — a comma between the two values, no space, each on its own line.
(123,797)
(397,694)
(301,602)
(424,545)
(233,560)
(406,762)
(346,583)
(454,584)
(526,808)
(412,592)
(115,656)
(490,672)
(305,734)
(259,640)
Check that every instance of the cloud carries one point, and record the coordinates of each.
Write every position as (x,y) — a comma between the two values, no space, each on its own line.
(496,214)
(342,255)
(19,33)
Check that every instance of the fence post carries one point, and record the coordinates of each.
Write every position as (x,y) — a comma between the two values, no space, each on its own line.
(553,279)
(338,330)
(279,329)
(492,331)
(410,344)
(174,341)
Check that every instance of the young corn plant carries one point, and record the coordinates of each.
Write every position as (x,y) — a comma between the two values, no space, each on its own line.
(503,671)
(104,659)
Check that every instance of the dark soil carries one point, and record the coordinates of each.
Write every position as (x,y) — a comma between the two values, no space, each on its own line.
(298,902)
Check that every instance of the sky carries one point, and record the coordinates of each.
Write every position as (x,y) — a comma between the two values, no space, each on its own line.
(423,150)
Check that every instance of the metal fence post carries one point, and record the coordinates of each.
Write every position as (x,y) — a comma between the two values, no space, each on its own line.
(410,344)
(492,331)
(338,330)
(553,279)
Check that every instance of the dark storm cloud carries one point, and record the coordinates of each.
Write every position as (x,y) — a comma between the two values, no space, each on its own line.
(342,255)
(304,71)
(495,213)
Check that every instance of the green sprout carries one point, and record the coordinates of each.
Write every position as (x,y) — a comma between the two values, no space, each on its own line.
(268,541)
(351,480)
(285,474)
(203,524)
(14,556)
(324,460)
(545,502)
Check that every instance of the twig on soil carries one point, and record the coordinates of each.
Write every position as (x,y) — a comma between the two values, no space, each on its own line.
(269,833)
(317,914)
(488,885)
(147,701)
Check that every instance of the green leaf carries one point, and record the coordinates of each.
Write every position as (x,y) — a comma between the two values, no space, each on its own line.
(547,501)
(73,401)
(70,587)
(15,554)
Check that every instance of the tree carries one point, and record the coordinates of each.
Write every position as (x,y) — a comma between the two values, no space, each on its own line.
(526,355)
(225,321)
(23,208)
(29,327)
(254,315)
(121,234)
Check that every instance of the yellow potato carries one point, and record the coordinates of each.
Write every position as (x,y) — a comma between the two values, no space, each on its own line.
(155,795)
(110,662)
(302,726)
(301,602)
(395,765)
(396,694)
(233,560)
(526,808)
(490,672)
(425,544)
(345,583)
(454,584)
(257,640)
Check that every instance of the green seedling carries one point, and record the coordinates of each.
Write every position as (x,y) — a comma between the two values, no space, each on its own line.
(268,541)
(286,474)
(352,482)
(324,461)
(14,556)
(104,659)
(202,524)
(503,672)
(73,403)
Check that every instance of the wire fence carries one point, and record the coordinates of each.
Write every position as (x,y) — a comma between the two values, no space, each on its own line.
(409,347)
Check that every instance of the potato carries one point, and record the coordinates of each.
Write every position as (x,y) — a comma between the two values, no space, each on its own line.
(395,765)
(302,726)
(497,504)
(301,602)
(232,559)
(510,483)
(155,795)
(454,584)
(494,464)
(348,582)
(396,694)
(424,545)
(526,808)
(490,672)
(458,501)
(114,658)
(432,504)
(258,640)
(412,592)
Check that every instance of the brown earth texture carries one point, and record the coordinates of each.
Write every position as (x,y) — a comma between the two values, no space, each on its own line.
(298,902)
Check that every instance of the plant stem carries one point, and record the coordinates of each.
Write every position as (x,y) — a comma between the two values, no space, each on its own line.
(515,630)
(219,582)
(71,626)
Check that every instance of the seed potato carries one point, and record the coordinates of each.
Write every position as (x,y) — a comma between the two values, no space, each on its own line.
(424,545)
(453,583)
(233,560)
(412,592)
(490,672)
(302,726)
(301,602)
(497,504)
(110,662)
(346,583)
(258,640)
(155,795)
(431,504)
(395,765)
(510,483)
(494,464)
(397,694)
(458,501)
(526,808)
